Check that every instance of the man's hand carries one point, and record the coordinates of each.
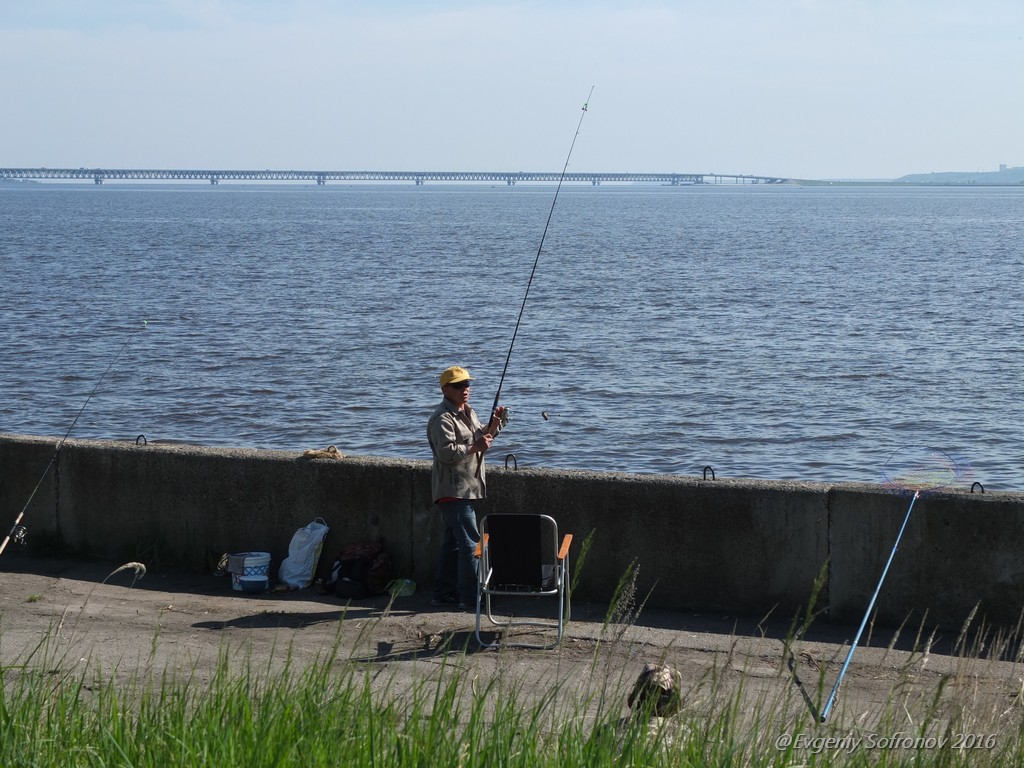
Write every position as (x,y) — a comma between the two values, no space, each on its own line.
(498,419)
(482,443)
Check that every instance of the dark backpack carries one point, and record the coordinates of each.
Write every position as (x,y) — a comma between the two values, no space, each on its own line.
(360,570)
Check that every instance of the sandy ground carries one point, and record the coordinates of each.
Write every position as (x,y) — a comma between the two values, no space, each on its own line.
(60,615)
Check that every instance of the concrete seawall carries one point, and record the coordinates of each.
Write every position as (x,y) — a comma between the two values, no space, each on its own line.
(744,546)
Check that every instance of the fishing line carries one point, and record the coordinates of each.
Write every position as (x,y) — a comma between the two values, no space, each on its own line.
(912,468)
(17,532)
(515,332)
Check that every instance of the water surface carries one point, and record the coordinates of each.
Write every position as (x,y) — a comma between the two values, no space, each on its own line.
(777,333)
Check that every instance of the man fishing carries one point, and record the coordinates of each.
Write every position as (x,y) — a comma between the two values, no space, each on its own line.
(458,442)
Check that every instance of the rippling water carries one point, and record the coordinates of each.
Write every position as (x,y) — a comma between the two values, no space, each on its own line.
(781,333)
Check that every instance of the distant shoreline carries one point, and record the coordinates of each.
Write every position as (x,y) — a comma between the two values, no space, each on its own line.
(903,183)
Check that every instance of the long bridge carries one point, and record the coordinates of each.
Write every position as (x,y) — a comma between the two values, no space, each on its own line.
(99,175)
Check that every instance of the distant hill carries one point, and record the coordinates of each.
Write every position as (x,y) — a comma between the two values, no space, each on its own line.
(1002,176)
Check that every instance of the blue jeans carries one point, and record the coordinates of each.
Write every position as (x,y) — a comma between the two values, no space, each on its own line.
(455,575)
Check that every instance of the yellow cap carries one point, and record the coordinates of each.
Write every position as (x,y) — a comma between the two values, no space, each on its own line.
(453,375)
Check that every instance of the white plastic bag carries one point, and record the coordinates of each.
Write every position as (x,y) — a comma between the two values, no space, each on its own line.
(297,570)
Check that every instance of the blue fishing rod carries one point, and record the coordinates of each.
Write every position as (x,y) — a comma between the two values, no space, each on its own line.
(871,604)
(18,532)
(911,468)
(536,261)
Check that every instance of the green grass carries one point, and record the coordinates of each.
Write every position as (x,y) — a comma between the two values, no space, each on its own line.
(338,713)
(330,713)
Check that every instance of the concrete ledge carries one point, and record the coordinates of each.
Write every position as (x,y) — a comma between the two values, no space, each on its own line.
(709,545)
(745,546)
(959,550)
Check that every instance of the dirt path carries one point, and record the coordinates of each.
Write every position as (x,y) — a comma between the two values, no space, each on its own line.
(60,615)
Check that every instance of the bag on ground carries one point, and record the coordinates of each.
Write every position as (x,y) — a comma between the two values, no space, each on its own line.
(298,569)
(361,570)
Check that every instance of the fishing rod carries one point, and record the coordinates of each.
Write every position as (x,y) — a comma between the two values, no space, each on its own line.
(515,332)
(18,531)
(871,604)
(911,468)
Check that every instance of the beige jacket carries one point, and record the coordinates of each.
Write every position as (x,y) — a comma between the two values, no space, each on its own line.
(456,473)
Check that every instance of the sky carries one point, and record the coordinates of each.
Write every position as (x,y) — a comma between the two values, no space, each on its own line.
(860,89)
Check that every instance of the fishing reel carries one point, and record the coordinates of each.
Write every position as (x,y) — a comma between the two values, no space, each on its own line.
(18,534)
(505,418)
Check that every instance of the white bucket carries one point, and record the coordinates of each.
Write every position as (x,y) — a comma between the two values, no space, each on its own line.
(253,564)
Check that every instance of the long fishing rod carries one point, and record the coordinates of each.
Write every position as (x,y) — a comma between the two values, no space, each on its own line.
(18,531)
(515,332)
(871,604)
(911,468)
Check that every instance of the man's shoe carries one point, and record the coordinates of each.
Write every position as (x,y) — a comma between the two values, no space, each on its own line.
(445,601)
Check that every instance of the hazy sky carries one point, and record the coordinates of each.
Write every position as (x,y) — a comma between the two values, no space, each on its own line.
(800,88)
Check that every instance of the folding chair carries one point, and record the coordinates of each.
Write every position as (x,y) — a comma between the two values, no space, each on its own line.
(520,555)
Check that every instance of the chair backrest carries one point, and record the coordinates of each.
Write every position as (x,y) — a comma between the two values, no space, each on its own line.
(522,551)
